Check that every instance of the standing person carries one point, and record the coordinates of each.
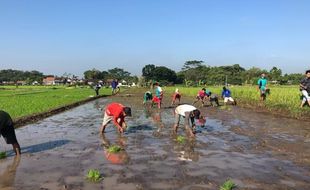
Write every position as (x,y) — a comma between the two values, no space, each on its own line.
(114,85)
(305,88)
(147,97)
(158,95)
(8,132)
(116,112)
(189,113)
(226,94)
(262,86)
(200,96)
(175,96)
(97,88)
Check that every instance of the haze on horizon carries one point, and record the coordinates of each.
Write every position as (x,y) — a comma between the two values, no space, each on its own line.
(56,36)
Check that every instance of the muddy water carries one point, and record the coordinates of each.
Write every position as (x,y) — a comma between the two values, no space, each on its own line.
(255,150)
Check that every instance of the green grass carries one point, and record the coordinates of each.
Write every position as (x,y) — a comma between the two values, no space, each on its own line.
(27,100)
(281,99)
(94,175)
(228,185)
(2,155)
(114,149)
(181,139)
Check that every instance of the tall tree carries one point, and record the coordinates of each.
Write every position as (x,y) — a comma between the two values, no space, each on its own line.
(192,64)
(118,73)
(148,71)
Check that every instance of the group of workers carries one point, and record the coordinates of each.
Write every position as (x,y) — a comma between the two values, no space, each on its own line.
(117,112)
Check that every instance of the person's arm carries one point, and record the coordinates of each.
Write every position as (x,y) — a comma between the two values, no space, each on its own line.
(302,84)
(187,119)
(115,120)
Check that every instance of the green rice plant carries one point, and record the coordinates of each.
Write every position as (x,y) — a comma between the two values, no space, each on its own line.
(2,155)
(24,101)
(94,175)
(228,185)
(114,149)
(181,139)
(282,99)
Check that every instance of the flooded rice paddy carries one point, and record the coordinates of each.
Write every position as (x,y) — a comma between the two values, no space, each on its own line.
(255,150)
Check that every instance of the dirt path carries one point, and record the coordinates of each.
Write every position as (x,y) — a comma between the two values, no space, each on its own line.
(255,150)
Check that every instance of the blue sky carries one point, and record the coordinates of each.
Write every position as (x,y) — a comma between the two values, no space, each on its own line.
(58,36)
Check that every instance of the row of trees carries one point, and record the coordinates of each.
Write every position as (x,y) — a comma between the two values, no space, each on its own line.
(116,73)
(17,75)
(197,73)
(192,73)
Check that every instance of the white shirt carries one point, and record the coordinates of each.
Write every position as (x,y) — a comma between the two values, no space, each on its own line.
(181,109)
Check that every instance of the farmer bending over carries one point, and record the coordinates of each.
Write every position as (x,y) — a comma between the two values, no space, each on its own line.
(158,98)
(200,96)
(116,112)
(175,96)
(8,132)
(189,113)
(147,97)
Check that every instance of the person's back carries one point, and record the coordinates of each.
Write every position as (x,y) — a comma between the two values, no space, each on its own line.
(114,109)
(181,109)
(5,120)
(8,132)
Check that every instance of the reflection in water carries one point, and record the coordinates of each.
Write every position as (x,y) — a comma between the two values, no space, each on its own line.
(156,116)
(120,157)
(7,178)
(186,151)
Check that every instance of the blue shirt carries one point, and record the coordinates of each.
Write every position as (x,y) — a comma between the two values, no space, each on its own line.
(262,82)
(226,93)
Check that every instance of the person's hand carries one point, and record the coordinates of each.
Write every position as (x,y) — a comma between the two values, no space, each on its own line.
(121,130)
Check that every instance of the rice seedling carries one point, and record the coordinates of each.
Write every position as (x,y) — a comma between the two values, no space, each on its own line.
(114,149)
(181,139)
(94,175)
(228,185)
(2,155)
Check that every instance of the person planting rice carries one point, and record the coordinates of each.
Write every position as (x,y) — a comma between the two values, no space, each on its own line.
(147,97)
(226,94)
(158,95)
(8,132)
(189,113)
(305,89)
(175,96)
(213,98)
(116,112)
(200,96)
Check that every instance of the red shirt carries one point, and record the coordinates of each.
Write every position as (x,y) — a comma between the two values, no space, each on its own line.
(115,109)
(201,93)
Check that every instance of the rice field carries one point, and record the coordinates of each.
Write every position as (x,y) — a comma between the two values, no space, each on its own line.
(26,100)
(284,99)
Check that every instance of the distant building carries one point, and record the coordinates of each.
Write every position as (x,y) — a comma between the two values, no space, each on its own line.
(20,82)
(49,80)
